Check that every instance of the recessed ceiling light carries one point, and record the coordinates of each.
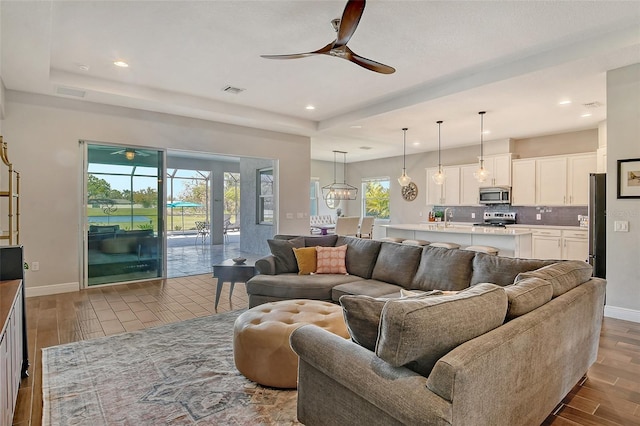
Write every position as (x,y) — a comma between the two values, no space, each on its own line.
(586,114)
(121,64)
(356,126)
(416,143)
(310,107)
(83,67)
(565,102)
(486,132)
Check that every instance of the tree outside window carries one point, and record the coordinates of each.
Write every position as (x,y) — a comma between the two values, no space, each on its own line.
(375,199)
(265,202)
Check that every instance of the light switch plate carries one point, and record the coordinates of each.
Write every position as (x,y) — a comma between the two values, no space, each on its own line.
(621,226)
(538,216)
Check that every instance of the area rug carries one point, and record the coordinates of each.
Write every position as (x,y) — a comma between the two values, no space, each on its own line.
(176,374)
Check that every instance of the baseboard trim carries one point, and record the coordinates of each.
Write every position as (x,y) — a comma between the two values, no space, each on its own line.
(46,290)
(622,313)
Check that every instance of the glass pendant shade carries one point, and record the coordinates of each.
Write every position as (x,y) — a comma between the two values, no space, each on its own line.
(404,179)
(439,177)
(481,174)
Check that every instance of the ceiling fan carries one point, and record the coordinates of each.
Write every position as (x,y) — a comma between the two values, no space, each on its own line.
(344,27)
(130,153)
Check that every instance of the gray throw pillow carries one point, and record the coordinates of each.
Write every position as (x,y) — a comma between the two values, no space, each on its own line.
(444,269)
(526,295)
(502,270)
(361,255)
(397,264)
(362,316)
(282,251)
(416,333)
(563,276)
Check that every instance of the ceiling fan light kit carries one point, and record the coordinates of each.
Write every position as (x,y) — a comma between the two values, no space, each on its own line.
(439,177)
(481,174)
(336,192)
(404,180)
(344,27)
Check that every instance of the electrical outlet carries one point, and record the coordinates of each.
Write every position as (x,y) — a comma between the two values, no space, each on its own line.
(473,215)
(35,266)
(538,216)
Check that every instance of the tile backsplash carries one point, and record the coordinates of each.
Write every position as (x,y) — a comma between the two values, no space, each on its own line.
(558,216)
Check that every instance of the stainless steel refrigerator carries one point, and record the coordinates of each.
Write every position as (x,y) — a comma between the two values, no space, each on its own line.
(598,224)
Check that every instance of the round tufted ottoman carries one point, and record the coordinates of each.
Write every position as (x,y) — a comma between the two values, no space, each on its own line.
(261,347)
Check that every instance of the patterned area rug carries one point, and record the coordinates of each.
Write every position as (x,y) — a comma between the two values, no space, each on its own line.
(177,374)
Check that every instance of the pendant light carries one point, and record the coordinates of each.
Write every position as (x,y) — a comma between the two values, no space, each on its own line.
(335,192)
(404,180)
(481,174)
(439,176)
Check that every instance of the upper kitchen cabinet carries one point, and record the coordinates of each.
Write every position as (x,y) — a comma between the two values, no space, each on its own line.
(523,178)
(447,193)
(559,180)
(500,168)
(469,186)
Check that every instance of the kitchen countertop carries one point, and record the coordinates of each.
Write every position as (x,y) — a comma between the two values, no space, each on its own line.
(568,228)
(458,228)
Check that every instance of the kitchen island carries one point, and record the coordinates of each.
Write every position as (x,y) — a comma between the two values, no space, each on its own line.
(509,242)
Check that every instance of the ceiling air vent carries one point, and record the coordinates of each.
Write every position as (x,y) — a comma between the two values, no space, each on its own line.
(68,91)
(594,104)
(365,147)
(231,89)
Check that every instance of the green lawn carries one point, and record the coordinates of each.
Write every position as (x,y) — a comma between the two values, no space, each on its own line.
(122,217)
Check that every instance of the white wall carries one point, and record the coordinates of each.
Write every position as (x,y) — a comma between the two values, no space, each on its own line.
(44,132)
(623,142)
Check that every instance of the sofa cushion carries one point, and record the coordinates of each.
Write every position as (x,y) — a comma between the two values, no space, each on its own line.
(563,276)
(372,288)
(307,260)
(294,286)
(362,316)
(444,269)
(331,260)
(502,270)
(321,240)
(526,295)
(415,333)
(397,264)
(361,255)
(282,251)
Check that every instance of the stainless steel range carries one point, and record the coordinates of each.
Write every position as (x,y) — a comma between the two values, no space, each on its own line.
(497,219)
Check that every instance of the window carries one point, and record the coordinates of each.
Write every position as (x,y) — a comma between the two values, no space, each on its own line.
(265,196)
(314,190)
(375,197)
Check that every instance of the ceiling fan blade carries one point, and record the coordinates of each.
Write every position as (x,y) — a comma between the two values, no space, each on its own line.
(349,21)
(367,63)
(118,152)
(326,49)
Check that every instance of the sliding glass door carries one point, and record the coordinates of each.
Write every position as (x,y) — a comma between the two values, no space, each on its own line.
(124,212)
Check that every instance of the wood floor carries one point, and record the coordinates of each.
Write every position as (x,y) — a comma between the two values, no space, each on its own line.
(610,395)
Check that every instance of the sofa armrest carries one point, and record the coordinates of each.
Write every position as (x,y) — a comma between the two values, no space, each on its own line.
(398,391)
(266,265)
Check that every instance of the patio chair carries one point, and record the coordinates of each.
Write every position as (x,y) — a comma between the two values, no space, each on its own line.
(226,228)
(203,231)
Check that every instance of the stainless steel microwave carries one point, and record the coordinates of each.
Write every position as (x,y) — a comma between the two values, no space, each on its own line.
(495,195)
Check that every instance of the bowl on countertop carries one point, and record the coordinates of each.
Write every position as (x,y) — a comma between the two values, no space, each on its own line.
(239,260)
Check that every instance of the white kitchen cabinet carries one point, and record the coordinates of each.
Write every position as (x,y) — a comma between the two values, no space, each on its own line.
(451,187)
(575,245)
(564,180)
(523,179)
(551,181)
(546,244)
(448,193)
(499,167)
(469,186)
(578,169)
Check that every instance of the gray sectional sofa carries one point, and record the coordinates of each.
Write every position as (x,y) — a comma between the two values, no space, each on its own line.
(504,350)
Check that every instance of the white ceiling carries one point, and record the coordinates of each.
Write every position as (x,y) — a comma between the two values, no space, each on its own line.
(514,59)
